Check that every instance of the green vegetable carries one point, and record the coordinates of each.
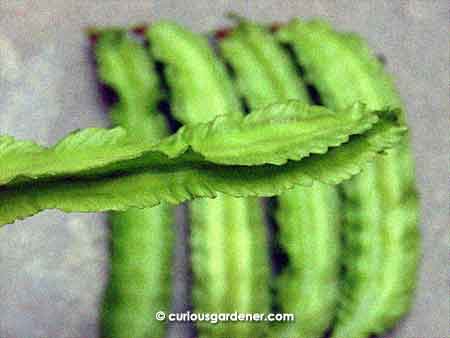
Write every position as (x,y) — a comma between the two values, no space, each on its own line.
(308,217)
(189,59)
(102,170)
(228,236)
(381,206)
(141,239)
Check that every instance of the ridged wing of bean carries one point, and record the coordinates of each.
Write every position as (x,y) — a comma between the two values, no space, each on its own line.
(141,239)
(381,205)
(308,216)
(229,247)
(96,169)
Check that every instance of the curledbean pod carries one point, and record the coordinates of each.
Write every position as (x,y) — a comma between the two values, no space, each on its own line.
(228,237)
(141,239)
(381,236)
(308,217)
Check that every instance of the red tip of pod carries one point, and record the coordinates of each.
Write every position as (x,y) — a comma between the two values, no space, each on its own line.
(222,33)
(275,26)
(140,29)
(93,37)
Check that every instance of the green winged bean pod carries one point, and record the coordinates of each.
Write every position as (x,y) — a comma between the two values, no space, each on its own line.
(381,237)
(141,239)
(308,217)
(98,169)
(228,236)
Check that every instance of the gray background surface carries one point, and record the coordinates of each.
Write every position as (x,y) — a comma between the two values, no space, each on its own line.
(53,266)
